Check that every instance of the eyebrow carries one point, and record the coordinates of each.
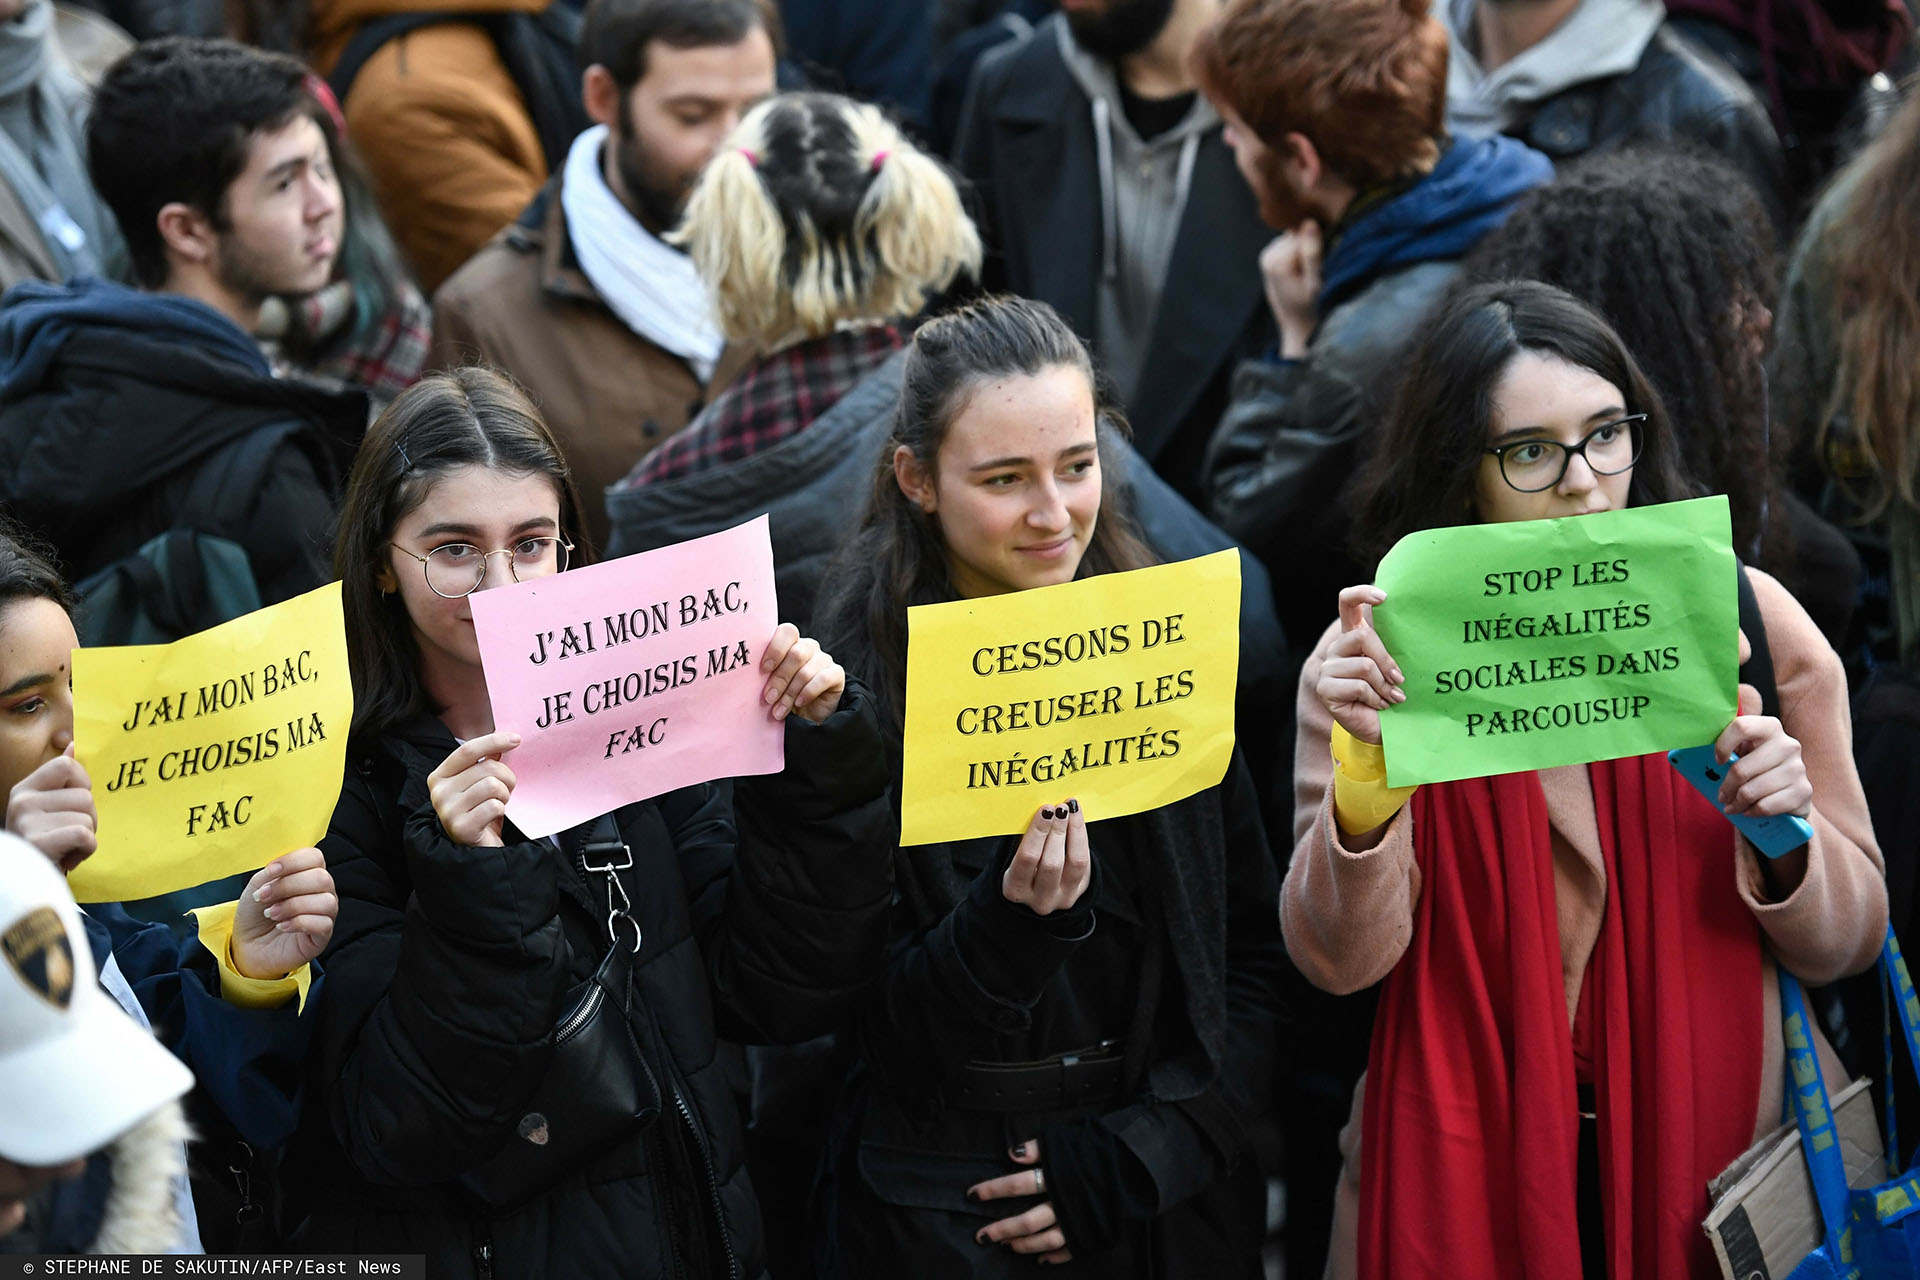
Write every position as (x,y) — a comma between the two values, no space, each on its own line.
(1601,417)
(25,683)
(997,463)
(471,531)
(287,168)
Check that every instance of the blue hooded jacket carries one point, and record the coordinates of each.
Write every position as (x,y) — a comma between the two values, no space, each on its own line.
(39,318)
(1437,219)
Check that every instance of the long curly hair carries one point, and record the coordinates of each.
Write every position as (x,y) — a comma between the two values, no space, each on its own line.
(1675,250)
(1872,416)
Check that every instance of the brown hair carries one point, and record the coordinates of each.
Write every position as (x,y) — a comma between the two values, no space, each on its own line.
(1364,80)
(470,416)
(1876,256)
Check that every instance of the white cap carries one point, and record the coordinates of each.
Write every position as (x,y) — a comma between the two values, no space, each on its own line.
(75,1071)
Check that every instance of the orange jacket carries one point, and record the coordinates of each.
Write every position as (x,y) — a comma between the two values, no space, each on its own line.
(444,132)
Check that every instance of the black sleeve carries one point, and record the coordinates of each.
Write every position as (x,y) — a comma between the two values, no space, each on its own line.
(791,912)
(447,970)
(973,157)
(1284,450)
(1140,1161)
(292,527)
(946,995)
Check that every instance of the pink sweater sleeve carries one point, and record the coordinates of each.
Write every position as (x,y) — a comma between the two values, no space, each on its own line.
(1833,923)
(1347,917)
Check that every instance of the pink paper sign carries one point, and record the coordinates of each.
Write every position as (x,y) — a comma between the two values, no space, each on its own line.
(631,678)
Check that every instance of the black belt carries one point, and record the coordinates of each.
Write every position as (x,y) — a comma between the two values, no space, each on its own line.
(1081,1078)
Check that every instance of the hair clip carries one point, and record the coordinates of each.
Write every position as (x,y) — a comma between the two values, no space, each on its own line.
(879,158)
(400,446)
(323,94)
(753,157)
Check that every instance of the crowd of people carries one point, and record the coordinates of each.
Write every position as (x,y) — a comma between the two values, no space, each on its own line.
(972,297)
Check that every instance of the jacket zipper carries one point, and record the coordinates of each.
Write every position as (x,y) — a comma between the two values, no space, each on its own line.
(706,1161)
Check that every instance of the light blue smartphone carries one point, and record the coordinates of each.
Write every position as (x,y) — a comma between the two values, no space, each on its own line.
(1773,836)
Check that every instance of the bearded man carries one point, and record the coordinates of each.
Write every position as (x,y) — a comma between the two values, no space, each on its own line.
(581,299)
(1108,192)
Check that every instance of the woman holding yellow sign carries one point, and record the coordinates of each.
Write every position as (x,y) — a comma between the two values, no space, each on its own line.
(1580,1022)
(1062,1056)
(519,1057)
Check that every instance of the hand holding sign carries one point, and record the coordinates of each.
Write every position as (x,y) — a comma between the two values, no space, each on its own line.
(285,915)
(52,810)
(1360,679)
(471,788)
(1052,867)
(804,679)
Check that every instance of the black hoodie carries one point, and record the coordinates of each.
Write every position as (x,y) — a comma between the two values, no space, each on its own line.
(125,414)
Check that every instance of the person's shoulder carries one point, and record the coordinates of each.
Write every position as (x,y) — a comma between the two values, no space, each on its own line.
(502,276)
(1034,53)
(1692,80)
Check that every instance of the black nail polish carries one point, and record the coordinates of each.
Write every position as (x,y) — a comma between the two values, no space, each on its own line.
(1020,1152)
(973,1196)
(1073,806)
(982,1239)
(1047,815)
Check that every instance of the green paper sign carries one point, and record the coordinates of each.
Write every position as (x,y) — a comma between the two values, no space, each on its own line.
(1549,642)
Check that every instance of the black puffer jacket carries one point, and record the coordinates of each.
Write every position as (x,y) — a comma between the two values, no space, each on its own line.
(126,414)
(449,966)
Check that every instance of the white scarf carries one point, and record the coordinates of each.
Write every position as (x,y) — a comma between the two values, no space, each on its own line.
(649,284)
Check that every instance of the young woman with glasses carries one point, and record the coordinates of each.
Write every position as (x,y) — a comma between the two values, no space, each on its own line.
(462,940)
(1580,1021)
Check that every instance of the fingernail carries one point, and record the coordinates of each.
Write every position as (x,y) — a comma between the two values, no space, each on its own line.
(273,870)
(260,894)
(1399,695)
(1020,1152)
(973,1195)
(1398,678)
(1046,815)
(982,1239)
(285,926)
(1073,806)
(780,712)
(272,913)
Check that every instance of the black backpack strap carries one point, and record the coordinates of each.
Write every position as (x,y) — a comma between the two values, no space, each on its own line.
(174,602)
(536,48)
(1757,670)
(370,38)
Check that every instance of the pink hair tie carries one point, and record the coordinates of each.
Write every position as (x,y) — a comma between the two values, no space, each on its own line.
(753,157)
(322,93)
(879,158)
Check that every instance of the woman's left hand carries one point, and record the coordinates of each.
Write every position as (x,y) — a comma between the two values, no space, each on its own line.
(1770,777)
(285,915)
(803,679)
(1037,1231)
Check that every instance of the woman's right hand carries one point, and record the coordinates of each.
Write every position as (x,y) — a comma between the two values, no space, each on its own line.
(1052,867)
(1359,679)
(471,788)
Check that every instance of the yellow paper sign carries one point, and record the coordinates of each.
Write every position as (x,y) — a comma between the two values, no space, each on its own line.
(215,754)
(1116,690)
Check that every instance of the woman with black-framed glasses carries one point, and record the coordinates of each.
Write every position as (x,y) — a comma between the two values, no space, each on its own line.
(756,914)
(1579,1018)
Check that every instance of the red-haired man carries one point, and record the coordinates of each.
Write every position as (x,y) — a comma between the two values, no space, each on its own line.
(1335,111)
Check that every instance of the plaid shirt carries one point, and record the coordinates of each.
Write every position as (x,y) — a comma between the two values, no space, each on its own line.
(778,396)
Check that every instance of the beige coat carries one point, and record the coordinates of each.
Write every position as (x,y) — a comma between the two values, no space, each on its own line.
(523,305)
(1348,917)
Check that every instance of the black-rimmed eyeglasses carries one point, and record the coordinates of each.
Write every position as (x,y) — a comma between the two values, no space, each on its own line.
(459,568)
(1533,466)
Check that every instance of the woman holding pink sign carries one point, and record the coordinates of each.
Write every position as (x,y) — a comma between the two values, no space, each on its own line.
(1075,1028)
(1580,1020)
(520,1053)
